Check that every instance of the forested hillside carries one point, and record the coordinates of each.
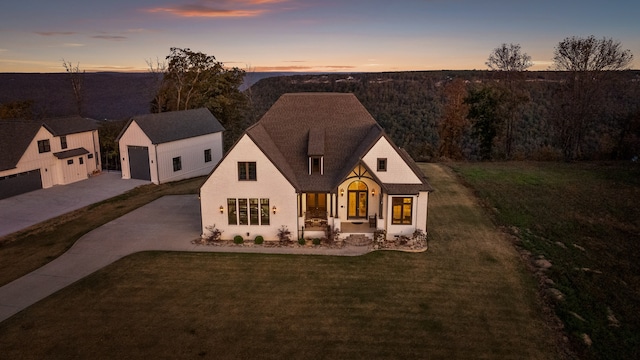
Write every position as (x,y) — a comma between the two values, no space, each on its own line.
(410,107)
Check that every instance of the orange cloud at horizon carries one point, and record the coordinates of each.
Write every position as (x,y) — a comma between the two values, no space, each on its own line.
(215,9)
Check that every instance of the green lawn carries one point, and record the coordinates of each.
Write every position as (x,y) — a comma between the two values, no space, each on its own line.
(585,219)
(469,296)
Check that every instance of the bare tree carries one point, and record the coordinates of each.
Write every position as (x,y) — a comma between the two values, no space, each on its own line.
(591,54)
(582,99)
(157,68)
(508,58)
(77,81)
(510,62)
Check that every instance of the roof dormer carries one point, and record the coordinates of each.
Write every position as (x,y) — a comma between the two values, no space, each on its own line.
(315,151)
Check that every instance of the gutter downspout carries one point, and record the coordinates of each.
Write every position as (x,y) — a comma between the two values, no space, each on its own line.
(156,158)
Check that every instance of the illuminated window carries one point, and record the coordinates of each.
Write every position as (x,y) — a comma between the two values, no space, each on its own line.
(402,208)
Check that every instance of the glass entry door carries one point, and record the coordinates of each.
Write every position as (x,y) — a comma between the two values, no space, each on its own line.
(357,196)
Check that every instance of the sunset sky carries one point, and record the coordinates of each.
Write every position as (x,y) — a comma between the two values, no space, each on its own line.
(302,35)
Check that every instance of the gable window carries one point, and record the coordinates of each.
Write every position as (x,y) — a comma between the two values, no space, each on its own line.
(231,212)
(44,146)
(207,155)
(402,208)
(382,164)
(247,171)
(177,163)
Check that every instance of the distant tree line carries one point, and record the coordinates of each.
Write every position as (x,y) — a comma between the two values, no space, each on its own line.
(586,108)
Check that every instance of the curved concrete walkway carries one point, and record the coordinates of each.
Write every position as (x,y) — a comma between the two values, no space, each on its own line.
(167,224)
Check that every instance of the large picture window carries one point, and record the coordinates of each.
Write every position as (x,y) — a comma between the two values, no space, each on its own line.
(402,208)
(248,211)
(247,171)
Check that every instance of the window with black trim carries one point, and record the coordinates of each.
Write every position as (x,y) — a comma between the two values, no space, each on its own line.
(243,216)
(63,142)
(81,161)
(249,211)
(207,155)
(44,146)
(401,209)
(70,162)
(247,171)
(231,212)
(382,164)
(177,163)
(316,165)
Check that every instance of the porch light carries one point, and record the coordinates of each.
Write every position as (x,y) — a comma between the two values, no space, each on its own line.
(341,192)
(274,209)
(221,209)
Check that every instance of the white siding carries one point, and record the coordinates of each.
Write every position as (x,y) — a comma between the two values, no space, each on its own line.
(134,136)
(191,153)
(398,172)
(270,184)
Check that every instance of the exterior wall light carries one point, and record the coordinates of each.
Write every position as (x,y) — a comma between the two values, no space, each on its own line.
(221,209)
(274,209)
(373,192)
(341,192)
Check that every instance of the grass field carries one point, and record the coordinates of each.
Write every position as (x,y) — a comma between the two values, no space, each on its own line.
(585,219)
(29,249)
(469,296)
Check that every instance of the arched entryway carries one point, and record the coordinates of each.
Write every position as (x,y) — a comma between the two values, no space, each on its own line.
(358,200)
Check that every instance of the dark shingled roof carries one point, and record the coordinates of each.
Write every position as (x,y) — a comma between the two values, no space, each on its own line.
(15,137)
(69,125)
(176,125)
(333,125)
(71,153)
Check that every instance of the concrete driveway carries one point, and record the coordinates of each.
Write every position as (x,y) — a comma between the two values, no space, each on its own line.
(169,223)
(21,211)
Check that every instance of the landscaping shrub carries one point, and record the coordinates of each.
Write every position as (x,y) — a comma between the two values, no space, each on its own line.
(258,240)
(302,241)
(316,241)
(238,240)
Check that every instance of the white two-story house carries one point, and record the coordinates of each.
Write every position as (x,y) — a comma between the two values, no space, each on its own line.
(315,160)
(41,154)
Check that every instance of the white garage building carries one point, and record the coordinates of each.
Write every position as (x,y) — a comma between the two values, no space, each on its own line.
(170,146)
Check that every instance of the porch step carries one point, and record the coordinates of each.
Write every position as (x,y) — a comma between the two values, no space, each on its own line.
(358,240)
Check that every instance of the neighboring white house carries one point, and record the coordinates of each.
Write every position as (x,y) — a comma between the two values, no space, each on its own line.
(41,154)
(315,160)
(170,146)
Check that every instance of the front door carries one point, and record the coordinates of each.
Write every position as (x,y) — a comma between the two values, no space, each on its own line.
(357,195)
(317,205)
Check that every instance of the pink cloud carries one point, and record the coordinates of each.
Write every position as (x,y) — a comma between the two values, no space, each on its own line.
(219,8)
